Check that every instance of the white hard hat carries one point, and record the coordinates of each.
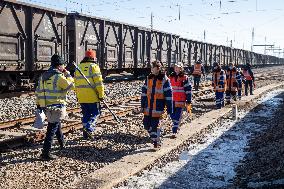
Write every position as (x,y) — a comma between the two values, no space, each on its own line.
(179,64)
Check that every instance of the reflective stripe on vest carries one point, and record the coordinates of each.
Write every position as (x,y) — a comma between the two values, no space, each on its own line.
(231,80)
(247,75)
(178,88)
(48,92)
(152,96)
(197,69)
(216,81)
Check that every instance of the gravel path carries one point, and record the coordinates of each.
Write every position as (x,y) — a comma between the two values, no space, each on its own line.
(80,157)
(18,107)
(211,163)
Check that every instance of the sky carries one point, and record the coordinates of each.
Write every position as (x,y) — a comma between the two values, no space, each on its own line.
(224,22)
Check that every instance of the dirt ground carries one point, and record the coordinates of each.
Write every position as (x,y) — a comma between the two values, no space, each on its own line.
(263,166)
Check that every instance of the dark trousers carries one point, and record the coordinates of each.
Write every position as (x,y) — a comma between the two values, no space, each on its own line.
(219,101)
(240,93)
(52,129)
(151,125)
(196,80)
(90,113)
(230,95)
(248,84)
(176,117)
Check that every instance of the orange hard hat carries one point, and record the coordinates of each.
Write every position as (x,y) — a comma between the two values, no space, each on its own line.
(90,54)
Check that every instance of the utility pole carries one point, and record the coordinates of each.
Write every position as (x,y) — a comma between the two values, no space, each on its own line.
(256,5)
(152,20)
(66,3)
(265,45)
(252,39)
(204,36)
(178,12)
(227,41)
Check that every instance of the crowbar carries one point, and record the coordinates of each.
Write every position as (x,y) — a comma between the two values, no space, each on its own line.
(113,114)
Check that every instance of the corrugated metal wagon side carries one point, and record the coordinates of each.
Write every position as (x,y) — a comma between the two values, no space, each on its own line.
(29,36)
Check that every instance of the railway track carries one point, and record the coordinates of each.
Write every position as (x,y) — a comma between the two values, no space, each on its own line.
(17,139)
(122,108)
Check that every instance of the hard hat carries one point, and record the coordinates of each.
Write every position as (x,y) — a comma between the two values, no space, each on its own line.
(90,54)
(56,60)
(215,64)
(179,64)
(199,61)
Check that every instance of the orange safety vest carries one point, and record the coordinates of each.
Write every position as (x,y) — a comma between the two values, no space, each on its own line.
(179,95)
(197,69)
(158,95)
(247,75)
(216,80)
(231,80)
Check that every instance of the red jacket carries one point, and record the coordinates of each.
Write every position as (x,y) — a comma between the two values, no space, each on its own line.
(181,89)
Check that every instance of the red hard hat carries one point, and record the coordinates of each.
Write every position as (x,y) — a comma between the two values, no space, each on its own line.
(90,54)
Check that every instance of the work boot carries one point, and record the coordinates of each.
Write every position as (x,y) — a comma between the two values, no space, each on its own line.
(157,145)
(87,134)
(48,157)
(62,145)
(173,136)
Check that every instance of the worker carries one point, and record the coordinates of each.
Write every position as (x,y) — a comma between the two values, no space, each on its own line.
(248,74)
(218,84)
(156,93)
(197,71)
(233,78)
(181,95)
(240,83)
(51,94)
(89,97)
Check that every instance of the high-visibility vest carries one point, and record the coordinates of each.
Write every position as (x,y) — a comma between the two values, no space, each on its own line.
(53,90)
(231,80)
(218,81)
(178,88)
(159,93)
(247,75)
(197,69)
(86,93)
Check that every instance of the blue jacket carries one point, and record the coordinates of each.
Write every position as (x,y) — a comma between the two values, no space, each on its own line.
(156,93)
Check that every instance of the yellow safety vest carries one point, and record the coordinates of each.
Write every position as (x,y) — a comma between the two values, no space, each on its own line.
(54,90)
(85,92)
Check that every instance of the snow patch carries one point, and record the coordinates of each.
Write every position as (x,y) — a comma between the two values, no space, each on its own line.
(212,163)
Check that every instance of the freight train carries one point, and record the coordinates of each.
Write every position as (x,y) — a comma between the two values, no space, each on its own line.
(30,35)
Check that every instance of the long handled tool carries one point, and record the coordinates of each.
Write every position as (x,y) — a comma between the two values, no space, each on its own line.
(113,114)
